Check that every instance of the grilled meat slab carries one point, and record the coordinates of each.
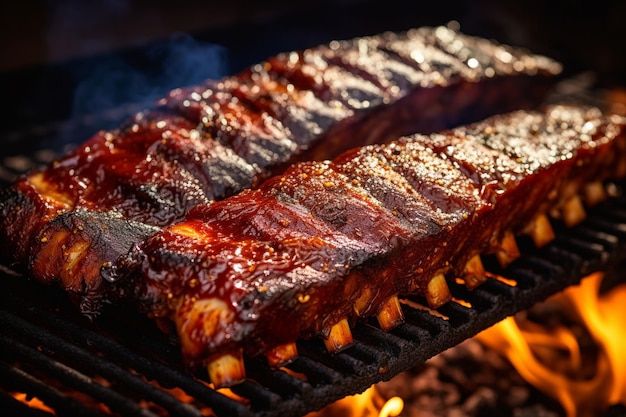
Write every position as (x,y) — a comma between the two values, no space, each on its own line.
(326,243)
(205,143)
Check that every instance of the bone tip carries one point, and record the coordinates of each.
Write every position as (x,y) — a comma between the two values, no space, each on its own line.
(339,337)
(595,193)
(437,291)
(542,232)
(390,314)
(282,355)
(227,370)
(474,273)
(573,211)
(363,302)
(508,250)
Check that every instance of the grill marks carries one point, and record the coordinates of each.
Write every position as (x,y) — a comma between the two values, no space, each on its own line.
(310,251)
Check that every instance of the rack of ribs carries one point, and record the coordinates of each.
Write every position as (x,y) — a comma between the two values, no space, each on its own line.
(311,251)
(61,224)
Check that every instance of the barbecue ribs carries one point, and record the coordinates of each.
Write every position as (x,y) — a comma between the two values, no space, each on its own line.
(310,251)
(200,144)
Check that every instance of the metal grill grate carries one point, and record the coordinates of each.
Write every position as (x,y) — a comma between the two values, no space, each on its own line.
(124,365)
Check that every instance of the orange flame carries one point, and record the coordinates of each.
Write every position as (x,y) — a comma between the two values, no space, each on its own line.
(368,404)
(551,359)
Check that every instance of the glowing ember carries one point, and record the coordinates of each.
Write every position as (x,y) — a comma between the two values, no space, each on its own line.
(33,402)
(368,404)
(551,357)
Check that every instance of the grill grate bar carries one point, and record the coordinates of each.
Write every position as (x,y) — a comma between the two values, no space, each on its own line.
(88,362)
(458,315)
(74,379)
(260,397)
(166,374)
(328,368)
(18,380)
(280,382)
(317,374)
(375,345)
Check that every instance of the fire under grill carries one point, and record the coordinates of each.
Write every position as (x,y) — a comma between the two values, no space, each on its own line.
(124,365)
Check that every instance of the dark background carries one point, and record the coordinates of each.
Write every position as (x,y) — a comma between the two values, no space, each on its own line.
(62,60)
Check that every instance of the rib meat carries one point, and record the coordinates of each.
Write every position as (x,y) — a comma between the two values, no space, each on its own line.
(205,143)
(312,250)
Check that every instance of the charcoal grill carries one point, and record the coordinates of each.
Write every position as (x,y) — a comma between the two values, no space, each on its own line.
(124,365)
